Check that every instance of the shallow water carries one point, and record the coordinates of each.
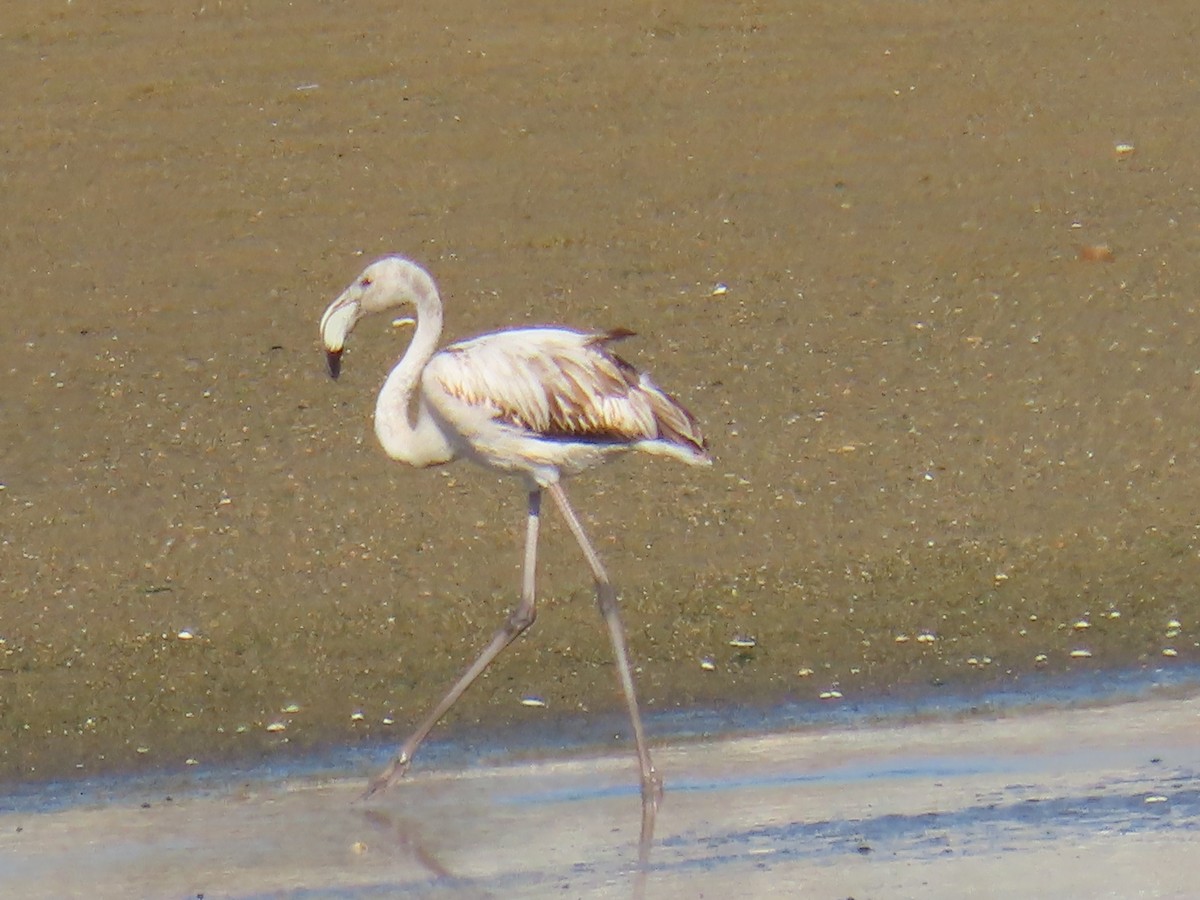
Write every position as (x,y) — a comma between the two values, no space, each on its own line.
(930,416)
(1081,802)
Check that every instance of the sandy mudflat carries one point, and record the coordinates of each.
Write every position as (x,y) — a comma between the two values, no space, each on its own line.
(1096,802)
(930,416)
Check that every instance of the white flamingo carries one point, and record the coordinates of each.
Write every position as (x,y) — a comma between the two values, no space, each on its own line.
(540,403)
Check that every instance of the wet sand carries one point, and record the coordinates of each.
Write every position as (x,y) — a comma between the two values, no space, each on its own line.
(1098,802)
(932,418)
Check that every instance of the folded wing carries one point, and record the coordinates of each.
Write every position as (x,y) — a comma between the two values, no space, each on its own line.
(563,385)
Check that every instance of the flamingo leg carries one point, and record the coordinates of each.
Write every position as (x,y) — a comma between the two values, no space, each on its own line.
(518,620)
(606,599)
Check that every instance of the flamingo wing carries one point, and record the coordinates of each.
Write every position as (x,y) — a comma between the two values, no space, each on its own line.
(565,385)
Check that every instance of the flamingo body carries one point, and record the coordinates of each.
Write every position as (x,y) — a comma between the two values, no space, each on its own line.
(548,402)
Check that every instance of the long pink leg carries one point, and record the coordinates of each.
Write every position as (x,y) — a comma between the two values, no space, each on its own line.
(606,599)
(518,620)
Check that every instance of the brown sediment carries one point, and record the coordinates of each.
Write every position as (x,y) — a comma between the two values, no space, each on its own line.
(927,417)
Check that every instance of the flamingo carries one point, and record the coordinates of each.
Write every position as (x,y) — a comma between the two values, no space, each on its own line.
(540,403)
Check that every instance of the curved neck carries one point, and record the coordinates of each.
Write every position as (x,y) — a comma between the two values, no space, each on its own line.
(409,434)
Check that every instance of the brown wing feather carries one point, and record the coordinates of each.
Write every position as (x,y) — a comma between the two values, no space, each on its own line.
(563,385)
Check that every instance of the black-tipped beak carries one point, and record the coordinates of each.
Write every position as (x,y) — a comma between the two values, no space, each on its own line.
(334,359)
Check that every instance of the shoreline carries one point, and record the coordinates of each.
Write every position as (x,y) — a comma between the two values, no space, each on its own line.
(1065,802)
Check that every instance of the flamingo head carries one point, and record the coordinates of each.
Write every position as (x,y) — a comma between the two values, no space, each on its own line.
(384,284)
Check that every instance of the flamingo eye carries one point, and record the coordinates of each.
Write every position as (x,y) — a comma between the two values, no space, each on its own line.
(365,281)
